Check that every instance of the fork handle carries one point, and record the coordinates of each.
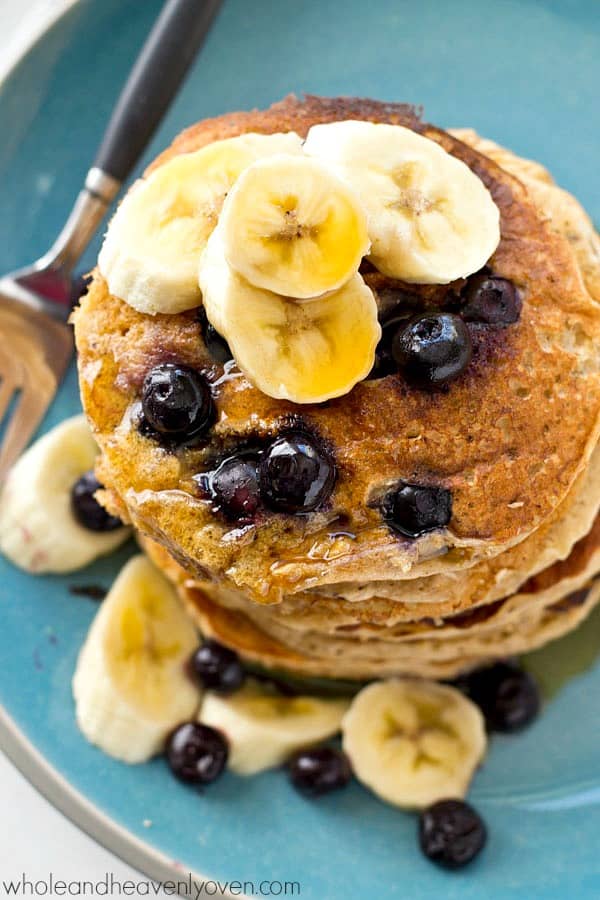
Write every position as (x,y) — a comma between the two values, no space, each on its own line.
(154,80)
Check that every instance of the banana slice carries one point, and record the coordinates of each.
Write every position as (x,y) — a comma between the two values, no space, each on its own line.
(413,742)
(150,253)
(130,685)
(264,728)
(431,219)
(38,532)
(304,352)
(292,227)
(217,280)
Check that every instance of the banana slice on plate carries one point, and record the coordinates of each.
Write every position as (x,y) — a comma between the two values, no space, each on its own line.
(306,352)
(38,531)
(431,219)
(130,685)
(150,253)
(264,728)
(413,742)
(292,227)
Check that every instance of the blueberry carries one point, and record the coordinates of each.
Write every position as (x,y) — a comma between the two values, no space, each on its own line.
(320,770)
(395,301)
(196,753)
(234,487)
(414,509)
(177,402)
(432,349)
(451,833)
(215,343)
(507,695)
(87,510)
(218,668)
(385,364)
(490,300)
(296,475)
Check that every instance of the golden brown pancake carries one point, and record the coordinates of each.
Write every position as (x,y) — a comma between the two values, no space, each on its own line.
(544,611)
(443,595)
(508,439)
(560,209)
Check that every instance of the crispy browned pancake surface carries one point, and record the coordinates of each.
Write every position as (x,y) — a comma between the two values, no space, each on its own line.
(508,438)
(358,640)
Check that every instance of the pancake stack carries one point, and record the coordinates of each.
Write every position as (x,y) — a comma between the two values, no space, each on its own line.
(338,592)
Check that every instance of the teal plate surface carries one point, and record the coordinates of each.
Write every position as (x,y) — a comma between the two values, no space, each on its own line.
(524,72)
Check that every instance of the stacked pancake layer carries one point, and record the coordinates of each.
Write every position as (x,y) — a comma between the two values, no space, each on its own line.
(337,593)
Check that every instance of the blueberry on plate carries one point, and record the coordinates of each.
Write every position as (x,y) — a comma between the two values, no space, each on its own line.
(234,488)
(451,833)
(506,694)
(415,509)
(217,667)
(86,509)
(432,349)
(319,770)
(196,753)
(177,402)
(491,300)
(214,342)
(296,474)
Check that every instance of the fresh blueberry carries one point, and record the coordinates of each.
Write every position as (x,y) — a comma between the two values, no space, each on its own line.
(319,771)
(396,308)
(87,510)
(196,753)
(414,509)
(218,668)
(233,486)
(177,402)
(507,696)
(490,300)
(451,833)
(215,343)
(394,302)
(385,364)
(432,349)
(296,474)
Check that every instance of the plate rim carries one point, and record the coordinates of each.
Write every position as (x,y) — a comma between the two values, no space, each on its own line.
(30,31)
(60,793)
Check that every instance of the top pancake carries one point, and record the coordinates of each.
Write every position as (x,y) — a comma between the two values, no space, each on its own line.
(508,438)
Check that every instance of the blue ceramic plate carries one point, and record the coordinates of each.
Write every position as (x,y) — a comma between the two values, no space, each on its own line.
(525,72)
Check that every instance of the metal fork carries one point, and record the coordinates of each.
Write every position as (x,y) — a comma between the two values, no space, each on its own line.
(36,342)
